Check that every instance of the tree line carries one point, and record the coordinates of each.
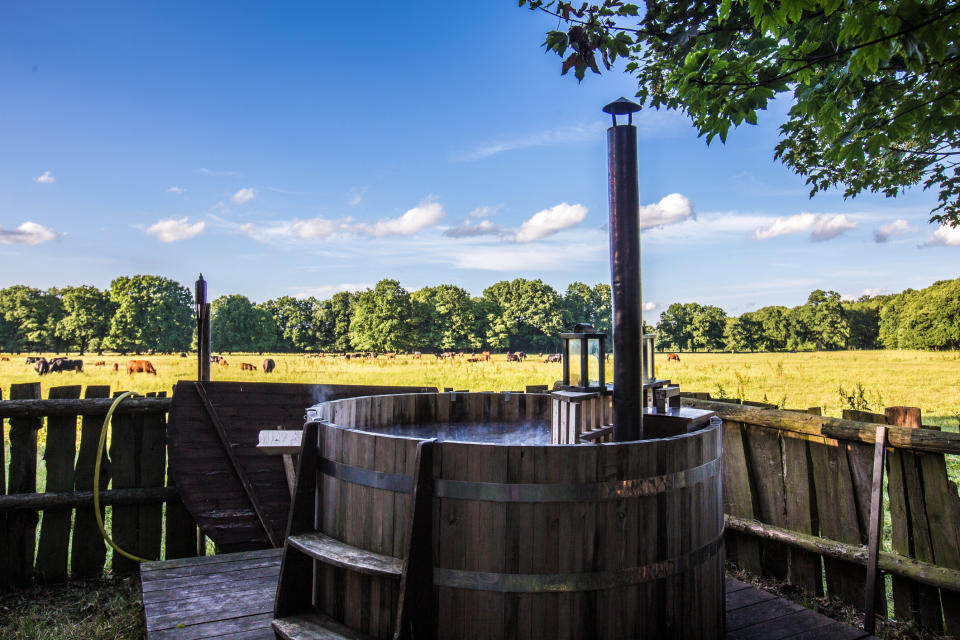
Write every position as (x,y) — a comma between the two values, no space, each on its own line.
(145,313)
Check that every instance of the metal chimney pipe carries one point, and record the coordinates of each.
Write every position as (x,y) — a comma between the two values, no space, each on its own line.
(625,273)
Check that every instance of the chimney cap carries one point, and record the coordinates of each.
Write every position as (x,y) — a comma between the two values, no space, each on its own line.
(621,106)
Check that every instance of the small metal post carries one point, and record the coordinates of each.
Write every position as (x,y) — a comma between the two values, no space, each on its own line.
(202,309)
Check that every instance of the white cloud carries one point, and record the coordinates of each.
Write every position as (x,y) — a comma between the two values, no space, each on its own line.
(869,292)
(45,178)
(671,209)
(944,236)
(414,220)
(325,291)
(309,229)
(215,172)
(898,227)
(175,230)
(483,212)
(550,221)
(244,195)
(650,306)
(466,230)
(356,197)
(176,190)
(821,226)
(28,233)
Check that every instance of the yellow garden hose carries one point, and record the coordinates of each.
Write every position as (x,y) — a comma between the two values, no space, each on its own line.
(96,480)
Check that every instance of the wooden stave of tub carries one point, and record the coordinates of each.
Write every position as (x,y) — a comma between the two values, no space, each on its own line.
(608,537)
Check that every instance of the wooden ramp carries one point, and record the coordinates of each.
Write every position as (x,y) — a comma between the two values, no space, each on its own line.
(231,596)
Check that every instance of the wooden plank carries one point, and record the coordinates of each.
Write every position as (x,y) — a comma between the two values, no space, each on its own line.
(416,616)
(125,439)
(911,536)
(759,613)
(786,626)
(38,408)
(763,451)
(88,550)
(244,580)
(153,570)
(153,467)
(876,526)
(22,478)
(58,457)
(205,609)
(799,512)
(4,531)
(738,498)
(219,629)
(943,513)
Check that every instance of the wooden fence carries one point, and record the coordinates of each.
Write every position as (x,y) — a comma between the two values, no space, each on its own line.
(133,480)
(797,495)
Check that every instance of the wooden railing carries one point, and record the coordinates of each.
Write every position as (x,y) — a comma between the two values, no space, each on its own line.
(133,482)
(797,499)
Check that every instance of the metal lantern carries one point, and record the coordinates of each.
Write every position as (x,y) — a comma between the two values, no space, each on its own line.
(584,353)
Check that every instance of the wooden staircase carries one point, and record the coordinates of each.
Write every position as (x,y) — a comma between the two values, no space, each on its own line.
(296,612)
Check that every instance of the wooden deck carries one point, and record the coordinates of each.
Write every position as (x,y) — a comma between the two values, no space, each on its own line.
(231,596)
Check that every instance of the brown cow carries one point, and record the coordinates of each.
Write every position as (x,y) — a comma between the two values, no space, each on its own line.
(245,366)
(269,365)
(140,366)
(513,357)
(116,367)
(100,363)
(4,358)
(223,362)
(673,356)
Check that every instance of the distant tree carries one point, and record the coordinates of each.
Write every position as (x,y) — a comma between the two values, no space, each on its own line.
(675,329)
(872,85)
(86,319)
(774,328)
(890,312)
(523,315)
(708,324)
(601,298)
(30,317)
(582,303)
(743,333)
(294,321)
(930,319)
(863,318)
(332,321)
(153,313)
(826,320)
(237,325)
(444,319)
(381,318)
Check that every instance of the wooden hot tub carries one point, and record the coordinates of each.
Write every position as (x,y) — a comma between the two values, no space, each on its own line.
(528,540)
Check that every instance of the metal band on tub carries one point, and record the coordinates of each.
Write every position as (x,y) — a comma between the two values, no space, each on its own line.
(587,581)
(526,492)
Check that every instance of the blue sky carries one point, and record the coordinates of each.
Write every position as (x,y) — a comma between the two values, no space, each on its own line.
(287,150)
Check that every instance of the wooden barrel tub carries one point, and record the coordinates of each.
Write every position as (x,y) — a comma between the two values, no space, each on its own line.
(529,540)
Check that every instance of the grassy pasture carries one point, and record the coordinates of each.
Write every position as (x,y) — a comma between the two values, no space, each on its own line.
(929,380)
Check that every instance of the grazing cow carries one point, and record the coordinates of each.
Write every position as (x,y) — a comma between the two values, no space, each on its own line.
(4,358)
(245,366)
(269,365)
(33,359)
(140,366)
(116,367)
(183,355)
(216,359)
(673,356)
(223,362)
(64,364)
(390,356)
(553,357)
(99,363)
(41,366)
(513,357)
(417,355)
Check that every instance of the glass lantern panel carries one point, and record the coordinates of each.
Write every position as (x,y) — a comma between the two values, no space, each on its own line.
(593,362)
(572,362)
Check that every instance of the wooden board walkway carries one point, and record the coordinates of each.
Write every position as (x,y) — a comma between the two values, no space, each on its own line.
(231,596)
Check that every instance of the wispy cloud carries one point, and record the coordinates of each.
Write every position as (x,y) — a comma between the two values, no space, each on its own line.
(309,229)
(822,227)
(244,195)
(650,306)
(175,229)
(325,291)
(671,209)
(565,135)
(868,292)
(28,233)
(420,217)
(45,178)
(944,236)
(893,229)
(216,172)
(467,230)
(176,190)
(483,212)
(550,221)
(356,195)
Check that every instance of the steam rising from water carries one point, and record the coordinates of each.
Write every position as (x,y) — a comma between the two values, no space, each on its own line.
(514,433)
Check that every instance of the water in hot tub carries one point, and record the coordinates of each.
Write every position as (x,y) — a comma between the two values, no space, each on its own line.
(513,433)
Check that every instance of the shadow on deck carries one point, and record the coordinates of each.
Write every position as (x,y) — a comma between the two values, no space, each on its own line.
(231,596)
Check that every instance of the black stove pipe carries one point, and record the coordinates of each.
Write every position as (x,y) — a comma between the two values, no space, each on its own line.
(625,274)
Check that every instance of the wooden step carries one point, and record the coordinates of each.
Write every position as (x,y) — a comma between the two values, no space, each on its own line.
(326,549)
(314,626)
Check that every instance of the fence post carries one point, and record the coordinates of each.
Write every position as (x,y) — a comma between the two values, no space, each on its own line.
(22,527)
(89,552)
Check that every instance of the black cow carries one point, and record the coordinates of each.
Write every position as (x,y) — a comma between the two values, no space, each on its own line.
(553,358)
(41,366)
(65,364)
(269,365)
